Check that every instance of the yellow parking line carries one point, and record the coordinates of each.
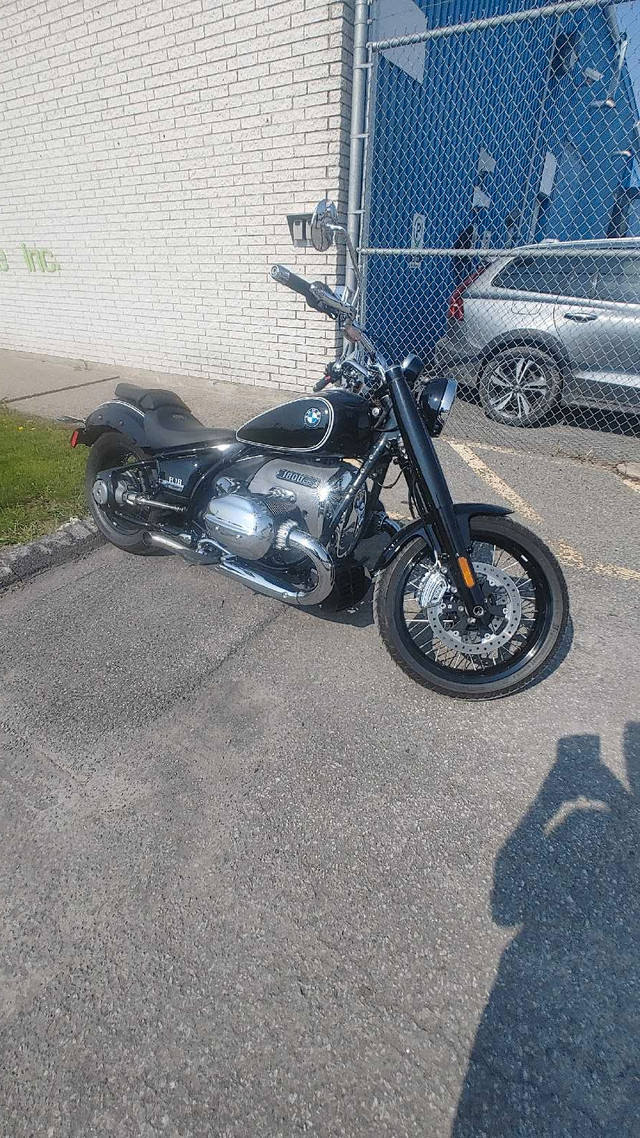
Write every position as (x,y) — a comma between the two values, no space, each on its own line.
(565,553)
(495,482)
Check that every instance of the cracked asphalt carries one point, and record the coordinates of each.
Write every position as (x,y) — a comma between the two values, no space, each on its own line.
(257,882)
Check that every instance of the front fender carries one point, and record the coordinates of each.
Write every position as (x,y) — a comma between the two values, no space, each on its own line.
(467,510)
(114,416)
(464,512)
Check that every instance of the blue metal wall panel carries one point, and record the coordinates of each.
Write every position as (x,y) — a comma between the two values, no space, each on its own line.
(493,89)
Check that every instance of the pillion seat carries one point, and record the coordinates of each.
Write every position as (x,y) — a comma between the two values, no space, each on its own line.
(168,422)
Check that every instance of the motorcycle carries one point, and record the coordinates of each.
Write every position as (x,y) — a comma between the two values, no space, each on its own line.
(467,601)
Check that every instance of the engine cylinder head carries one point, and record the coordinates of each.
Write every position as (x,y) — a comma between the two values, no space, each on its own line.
(242,524)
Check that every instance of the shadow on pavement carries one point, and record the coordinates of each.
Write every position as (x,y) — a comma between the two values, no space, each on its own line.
(556,1053)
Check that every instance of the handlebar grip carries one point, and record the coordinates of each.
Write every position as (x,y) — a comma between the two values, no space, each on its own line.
(322,383)
(283,275)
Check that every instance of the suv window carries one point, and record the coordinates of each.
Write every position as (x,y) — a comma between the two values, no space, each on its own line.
(619,279)
(552,275)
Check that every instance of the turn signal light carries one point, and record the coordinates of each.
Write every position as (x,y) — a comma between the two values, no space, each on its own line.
(467,572)
(73,441)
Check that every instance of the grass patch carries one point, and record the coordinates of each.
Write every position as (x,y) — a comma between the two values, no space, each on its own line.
(41,477)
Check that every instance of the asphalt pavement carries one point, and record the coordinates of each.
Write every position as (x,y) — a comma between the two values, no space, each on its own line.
(256,881)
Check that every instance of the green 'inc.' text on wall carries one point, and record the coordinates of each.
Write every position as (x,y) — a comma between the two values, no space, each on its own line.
(36,260)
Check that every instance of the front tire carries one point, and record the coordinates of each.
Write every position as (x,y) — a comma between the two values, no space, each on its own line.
(426,634)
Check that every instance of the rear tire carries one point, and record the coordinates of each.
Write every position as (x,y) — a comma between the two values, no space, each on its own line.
(544,612)
(114,449)
(520,386)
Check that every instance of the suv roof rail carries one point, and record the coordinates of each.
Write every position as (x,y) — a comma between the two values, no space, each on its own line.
(595,243)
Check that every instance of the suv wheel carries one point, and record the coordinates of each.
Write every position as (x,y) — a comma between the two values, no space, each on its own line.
(520,386)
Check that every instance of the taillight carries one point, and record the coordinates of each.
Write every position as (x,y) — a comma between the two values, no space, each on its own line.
(73,441)
(456,303)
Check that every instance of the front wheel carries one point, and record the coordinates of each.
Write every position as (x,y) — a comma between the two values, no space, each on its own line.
(427,632)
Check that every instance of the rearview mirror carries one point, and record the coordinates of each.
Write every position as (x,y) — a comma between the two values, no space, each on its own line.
(321,231)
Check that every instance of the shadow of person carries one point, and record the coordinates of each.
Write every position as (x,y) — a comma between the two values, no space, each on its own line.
(557,1052)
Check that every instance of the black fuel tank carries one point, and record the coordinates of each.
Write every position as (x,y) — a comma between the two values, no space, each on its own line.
(338,423)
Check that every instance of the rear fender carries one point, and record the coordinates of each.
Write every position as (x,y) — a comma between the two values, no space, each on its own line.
(464,512)
(115,415)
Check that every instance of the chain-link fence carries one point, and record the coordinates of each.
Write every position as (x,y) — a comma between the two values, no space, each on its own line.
(501,214)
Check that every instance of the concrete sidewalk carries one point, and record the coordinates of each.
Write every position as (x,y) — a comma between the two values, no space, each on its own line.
(55,387)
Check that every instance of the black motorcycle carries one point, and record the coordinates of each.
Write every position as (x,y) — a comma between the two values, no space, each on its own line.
(467,602)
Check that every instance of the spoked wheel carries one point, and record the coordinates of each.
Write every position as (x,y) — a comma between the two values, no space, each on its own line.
(109,450)
(426,629)
(520,386)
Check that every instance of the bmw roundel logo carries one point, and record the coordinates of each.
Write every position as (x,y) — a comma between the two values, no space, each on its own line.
(313,417)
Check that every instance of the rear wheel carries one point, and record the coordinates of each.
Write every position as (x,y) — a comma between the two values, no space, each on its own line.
(427,631)
(520,386)
(113,449)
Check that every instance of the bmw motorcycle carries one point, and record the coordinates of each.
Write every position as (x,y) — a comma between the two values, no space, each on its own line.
(467,602)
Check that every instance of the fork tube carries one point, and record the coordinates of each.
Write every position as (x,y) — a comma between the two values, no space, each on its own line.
(434,488)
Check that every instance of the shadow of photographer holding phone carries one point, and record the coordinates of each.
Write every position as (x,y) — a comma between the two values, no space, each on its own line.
(557,1052)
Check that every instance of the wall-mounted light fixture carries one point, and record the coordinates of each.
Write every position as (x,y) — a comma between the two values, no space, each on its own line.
(299,229)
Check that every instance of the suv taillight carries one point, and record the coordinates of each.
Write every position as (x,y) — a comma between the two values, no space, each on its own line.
(456,302)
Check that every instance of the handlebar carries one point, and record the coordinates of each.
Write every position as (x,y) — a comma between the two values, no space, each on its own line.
(317,294)
(283,275)
(323,299)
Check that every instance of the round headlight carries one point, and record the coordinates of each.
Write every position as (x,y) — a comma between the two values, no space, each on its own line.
(436,400)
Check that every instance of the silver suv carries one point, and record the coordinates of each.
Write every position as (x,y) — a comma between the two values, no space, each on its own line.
(559,327)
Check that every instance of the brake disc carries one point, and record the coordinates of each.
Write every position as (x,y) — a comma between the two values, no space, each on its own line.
(432,591)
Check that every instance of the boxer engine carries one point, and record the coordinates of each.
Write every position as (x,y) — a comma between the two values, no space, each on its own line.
(253,517)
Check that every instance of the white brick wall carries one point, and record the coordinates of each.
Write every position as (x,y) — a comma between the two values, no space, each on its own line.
(154,150)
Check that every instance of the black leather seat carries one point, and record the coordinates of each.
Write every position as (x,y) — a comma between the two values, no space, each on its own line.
(148,398)
(168,422)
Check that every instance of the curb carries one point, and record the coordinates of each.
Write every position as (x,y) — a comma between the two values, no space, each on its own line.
(20,562)
(629,470)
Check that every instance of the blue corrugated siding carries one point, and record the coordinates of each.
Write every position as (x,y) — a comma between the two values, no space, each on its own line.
(485,89)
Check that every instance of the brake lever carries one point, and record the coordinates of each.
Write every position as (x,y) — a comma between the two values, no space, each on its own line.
(332,304)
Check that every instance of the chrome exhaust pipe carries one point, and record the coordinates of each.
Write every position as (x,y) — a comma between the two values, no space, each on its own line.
(262,582)
(190,554)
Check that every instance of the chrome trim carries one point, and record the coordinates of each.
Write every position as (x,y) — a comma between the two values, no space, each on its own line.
(264,583)
(100,492)
(449,397)
(172,545)
(131,498)
(294,450)
(166,542)
(242,524)
(120,403)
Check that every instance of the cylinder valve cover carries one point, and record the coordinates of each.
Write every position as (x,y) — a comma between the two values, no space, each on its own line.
(241,524)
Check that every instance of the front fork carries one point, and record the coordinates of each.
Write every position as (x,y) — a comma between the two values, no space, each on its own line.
(435,493)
